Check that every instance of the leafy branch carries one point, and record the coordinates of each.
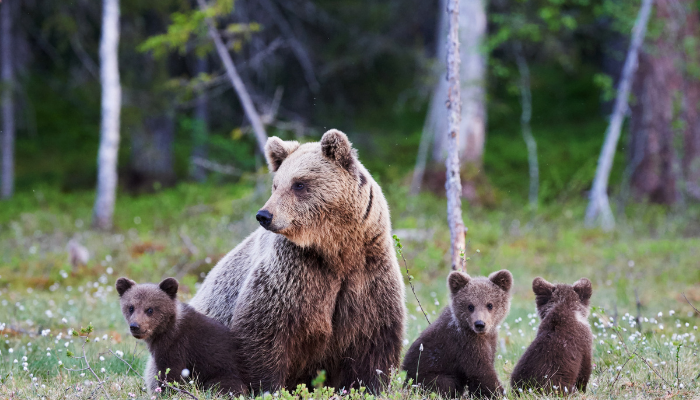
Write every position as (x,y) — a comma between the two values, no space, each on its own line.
(397,243)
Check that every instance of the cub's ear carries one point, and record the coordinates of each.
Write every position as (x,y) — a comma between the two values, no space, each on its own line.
(543,291)
(503,279)
(276,150)
(169,286)
(584,289)
(457,280)
(336,147)
(124,284)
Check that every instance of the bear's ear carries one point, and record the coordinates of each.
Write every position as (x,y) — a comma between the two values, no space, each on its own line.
(276,150)
(124,284)
(169,286)
(336,147)
(457,280)
(503,279)
(584,289)
(543,291)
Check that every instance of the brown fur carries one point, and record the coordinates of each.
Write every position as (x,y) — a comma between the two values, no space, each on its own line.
(456,352)
(178,338)
(561,353)
(321,288)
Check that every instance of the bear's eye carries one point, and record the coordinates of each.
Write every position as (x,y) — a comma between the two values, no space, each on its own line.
(471,308)
(149,311)
(489,306)
(297,186)
(131,309)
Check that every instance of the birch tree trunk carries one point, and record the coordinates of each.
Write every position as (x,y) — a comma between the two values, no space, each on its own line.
(8,109)
(525,117)
(201,127)
(111,109)
(599,206)
(472,129)
(453,184)
(237,83)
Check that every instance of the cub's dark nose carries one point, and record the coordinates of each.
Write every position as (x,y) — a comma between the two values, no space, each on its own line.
(134,327)
(479,325)
(265,218)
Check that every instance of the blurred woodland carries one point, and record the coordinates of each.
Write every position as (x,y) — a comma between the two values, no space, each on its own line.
(539,77)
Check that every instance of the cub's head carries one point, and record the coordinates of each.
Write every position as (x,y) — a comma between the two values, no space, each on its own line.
(574,297)
(480,304)
(149,309)
(315,190)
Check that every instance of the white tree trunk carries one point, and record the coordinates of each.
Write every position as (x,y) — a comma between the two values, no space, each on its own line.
(453,184)
(237,83)
(8,109)
(599,206)
(472,128)
(111,109)
(525,117)
(472,131)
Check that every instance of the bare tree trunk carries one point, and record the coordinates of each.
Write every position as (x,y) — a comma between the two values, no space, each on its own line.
(526,104)
(665,127)
(111,109)
(453,185)
(599,205)
(8,107)
(201,127)
(237,83)
(472,130)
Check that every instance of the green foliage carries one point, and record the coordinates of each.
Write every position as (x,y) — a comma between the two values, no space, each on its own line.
(186,25)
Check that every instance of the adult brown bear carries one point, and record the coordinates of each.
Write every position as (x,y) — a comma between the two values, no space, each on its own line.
(317,286)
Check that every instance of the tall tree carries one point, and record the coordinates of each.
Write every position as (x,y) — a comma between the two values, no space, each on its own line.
(200,129)
(599,206)
(472,128)
(8,109)
(111,110)
(665,130)
(453,184)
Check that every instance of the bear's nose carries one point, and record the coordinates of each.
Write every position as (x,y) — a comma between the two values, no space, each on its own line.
(264,217)
(134,327)
(479,325)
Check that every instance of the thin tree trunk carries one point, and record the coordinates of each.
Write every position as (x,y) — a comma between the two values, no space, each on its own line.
(237,83)
(526,115)
(201,127)
(599,205)
(111,109)
(472,129)
(8,107)
(453,185)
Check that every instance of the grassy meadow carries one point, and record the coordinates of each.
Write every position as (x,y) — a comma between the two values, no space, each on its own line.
(647,338)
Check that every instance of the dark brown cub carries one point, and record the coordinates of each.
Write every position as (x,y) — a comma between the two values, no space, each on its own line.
(183,342)
(457,351)
(559,359)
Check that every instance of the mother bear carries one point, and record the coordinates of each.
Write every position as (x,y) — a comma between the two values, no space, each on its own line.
(317,286)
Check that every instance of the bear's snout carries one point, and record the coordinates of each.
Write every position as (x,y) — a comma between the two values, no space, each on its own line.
(479,326)
(264,218)
(134,328)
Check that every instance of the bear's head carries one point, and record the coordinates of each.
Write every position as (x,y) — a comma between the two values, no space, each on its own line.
(575,298)
(149,309)
(480,304)
(315,190)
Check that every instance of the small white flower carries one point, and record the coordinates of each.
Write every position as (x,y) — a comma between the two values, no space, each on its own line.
(102,358)
(420,348)
(379,372)
(119,353)
(102,370)
(65,321)
(10,350)
(185,373)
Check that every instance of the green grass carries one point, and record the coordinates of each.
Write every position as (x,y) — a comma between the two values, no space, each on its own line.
(654,254)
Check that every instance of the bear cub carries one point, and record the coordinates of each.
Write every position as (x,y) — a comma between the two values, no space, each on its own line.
(181,340)
(458,349)
(559,359)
